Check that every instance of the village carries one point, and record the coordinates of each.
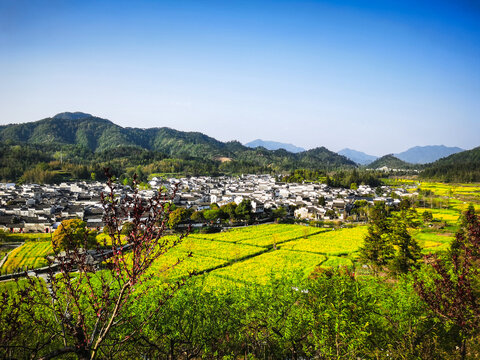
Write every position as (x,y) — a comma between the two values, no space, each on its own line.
(40,208)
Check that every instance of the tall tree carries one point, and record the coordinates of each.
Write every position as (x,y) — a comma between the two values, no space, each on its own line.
(377,247)
(408,252)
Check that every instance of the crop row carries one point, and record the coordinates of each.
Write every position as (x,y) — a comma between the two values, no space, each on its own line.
(29,255)
(260,268)
(335,242)
(252,232)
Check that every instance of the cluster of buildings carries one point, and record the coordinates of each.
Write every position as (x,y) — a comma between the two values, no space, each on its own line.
(40,208)
(308,200)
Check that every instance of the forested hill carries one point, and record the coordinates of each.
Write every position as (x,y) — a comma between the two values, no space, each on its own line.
(460,167)
(83,139)
(97,135)
(391,162)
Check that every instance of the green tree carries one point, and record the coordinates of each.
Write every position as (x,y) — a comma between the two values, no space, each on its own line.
(229,210)
(279,213)
(212,215)
(427,216)
(197,216)
(72,234)
(176,217)
(377,247)
(244,210)
(321,201)
(408,251)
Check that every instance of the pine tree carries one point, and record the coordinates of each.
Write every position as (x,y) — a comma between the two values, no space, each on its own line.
(408,251)
(377,248)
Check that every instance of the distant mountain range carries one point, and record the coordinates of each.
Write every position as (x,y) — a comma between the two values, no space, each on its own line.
(427,154)
(94,143)
(96,135)
(274,145)
(414,155)
(357,156)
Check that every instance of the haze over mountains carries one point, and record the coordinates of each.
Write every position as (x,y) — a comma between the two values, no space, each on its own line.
(415,155)
(427,154)
(274,145)
(358,156)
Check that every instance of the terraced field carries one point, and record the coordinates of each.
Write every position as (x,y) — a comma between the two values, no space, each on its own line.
(334,242)
(432,241)
(251,254)
(254,254)
(450,216)
(29,255)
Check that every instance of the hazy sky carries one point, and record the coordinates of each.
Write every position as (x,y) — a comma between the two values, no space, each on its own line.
(377,76)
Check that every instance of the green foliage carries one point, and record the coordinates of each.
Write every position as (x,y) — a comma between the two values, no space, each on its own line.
(279,213)
(388,241)
(244,210)
(177,216)
(345,178)
(212,215)
(197,216)
(377,249)
(229,210)
(427,216)
(408,251)
(72,234)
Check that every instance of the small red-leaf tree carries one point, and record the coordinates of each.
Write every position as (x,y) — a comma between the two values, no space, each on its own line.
(85,300)
(453,293)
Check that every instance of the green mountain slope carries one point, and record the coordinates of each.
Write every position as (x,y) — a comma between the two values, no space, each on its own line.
(391,162)
(460,167)
(81,138)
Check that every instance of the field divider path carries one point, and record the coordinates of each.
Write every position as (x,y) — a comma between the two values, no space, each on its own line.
(241,259)
(340,254)
(288,240)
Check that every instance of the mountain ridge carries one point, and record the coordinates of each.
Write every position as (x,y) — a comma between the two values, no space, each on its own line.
(97,135)
(390,161)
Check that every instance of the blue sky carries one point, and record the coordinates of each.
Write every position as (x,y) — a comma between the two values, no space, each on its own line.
(376,76)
